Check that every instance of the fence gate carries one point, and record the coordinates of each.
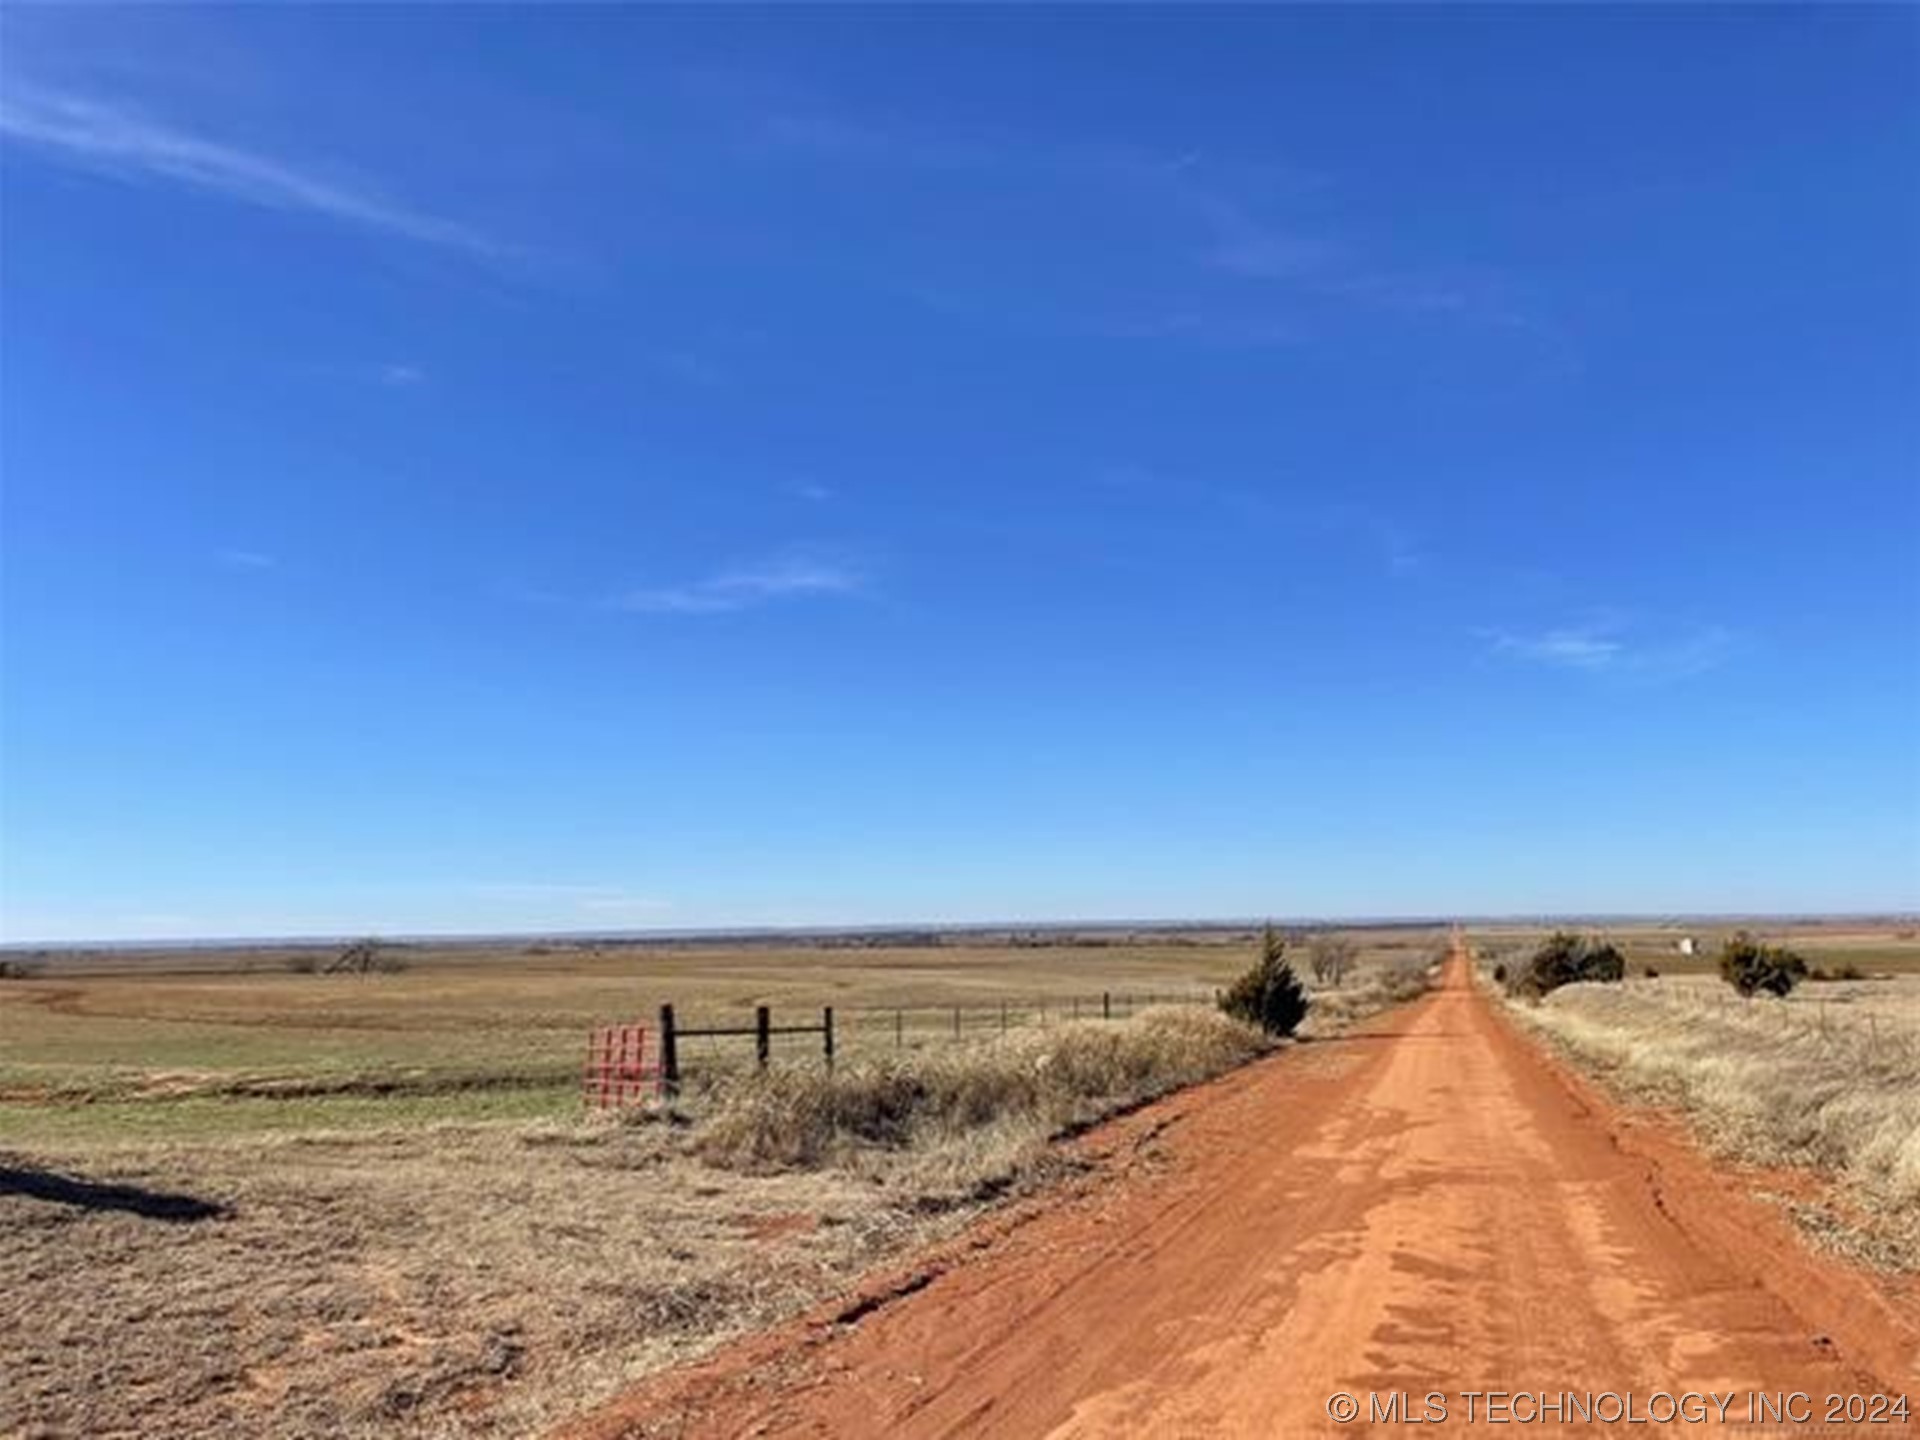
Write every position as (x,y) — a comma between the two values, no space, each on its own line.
(619,1072)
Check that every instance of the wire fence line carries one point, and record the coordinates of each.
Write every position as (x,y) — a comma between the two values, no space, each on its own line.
(736,1037)
(1842,1019)
(963,1021)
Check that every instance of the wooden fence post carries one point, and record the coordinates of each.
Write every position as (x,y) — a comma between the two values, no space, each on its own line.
(1003,1017)
(956,1022)
(1106,1005)
(899,1030)
(669,1054)
(762,1034)
(826,1033)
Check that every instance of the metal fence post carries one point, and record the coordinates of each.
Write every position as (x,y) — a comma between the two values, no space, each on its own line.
(826,1033)
(1106,1005)
(669,1054)
(763,1033)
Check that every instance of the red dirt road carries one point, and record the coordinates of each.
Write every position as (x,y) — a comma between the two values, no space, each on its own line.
(1428,1206)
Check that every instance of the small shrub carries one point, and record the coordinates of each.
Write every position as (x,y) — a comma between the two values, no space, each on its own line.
(1269,994)
(305,963)
(1753,968)
(1500,974)
(1568,959)
(1652,972)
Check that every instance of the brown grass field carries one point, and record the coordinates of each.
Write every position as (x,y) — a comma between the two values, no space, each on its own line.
(245,1200)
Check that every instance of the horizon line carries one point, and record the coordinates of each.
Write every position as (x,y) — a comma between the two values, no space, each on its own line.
(943,927)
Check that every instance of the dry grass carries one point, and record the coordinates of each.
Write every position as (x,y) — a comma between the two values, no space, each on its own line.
(480,1281)
(1015,1092)
(412,1230)
(471,1282)
(461,1024)
(518,1016)
(1375,985)
(1828,1079)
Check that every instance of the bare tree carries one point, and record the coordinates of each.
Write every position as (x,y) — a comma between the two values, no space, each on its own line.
(365,957)
(1331,957)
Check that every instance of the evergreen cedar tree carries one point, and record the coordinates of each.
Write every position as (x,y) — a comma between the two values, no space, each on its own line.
(1753,968)
(1269,995)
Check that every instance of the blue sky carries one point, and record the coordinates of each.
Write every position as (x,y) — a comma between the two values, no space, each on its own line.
(473,469)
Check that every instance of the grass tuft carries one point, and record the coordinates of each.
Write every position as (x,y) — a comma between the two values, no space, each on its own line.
(1025,1087)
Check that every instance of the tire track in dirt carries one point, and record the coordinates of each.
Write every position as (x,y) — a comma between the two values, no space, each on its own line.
(1431,1204)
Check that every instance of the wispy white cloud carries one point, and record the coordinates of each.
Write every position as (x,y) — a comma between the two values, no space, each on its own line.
(1608,645)
(109,139)
(245,559)
(1575,647)
(745,587)
(398,376)
(1265,226)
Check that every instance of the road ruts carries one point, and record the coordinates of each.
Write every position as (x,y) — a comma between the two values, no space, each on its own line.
(1428,1205)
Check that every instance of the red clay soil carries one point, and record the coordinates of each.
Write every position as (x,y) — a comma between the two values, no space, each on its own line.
(1432,1205)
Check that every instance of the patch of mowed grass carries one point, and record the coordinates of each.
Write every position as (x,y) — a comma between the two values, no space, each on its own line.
(219,1117)
(58,1052)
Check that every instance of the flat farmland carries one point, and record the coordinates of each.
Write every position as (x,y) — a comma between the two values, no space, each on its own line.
(245,1198)
(250,1200)
(173,1042)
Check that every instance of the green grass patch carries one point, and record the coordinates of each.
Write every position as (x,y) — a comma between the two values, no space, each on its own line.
(224,1116)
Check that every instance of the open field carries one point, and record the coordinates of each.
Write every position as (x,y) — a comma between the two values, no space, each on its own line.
(245,1200)
(302,1205)
(499,1033)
